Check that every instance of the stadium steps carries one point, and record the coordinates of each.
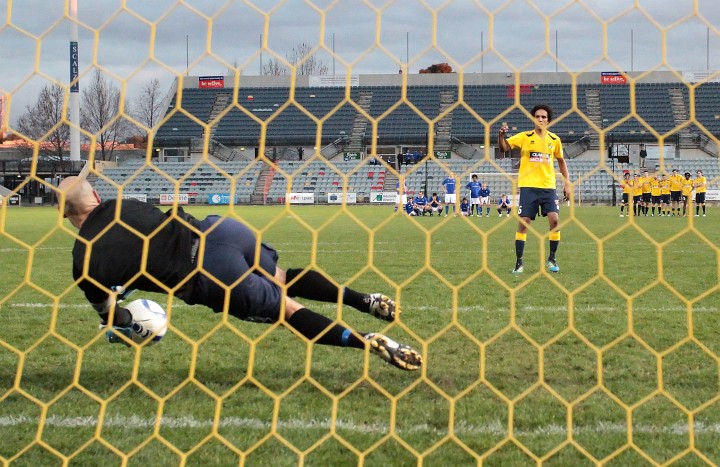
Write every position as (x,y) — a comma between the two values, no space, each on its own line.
(594,112)
(262,187)
(359,127)
(221,100)
(444,125)
(681,115)
(390,183)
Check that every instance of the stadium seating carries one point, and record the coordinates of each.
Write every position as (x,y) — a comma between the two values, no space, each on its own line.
(295,123)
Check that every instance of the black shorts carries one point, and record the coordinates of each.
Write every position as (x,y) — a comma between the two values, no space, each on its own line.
(675,196)
(665,198)
(625,198)
(700,198)
(230,254)
(537,200)
(656,199)
(646,197)
(637,199)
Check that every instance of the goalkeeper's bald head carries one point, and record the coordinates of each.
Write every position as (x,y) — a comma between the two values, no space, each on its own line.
(76,199)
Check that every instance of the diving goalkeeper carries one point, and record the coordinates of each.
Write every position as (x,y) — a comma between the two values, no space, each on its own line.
(216,262)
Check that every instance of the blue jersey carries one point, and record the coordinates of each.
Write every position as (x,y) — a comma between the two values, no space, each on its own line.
(434,201)
(420,200)
(449,184)
(409,207)
(506,202)
(485,192)
(464,207)
(405,187)
(474,188)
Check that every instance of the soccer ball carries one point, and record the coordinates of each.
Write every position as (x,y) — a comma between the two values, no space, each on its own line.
(149,321)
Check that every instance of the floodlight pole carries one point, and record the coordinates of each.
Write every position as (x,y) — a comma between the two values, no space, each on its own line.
(73,98)
(612,163)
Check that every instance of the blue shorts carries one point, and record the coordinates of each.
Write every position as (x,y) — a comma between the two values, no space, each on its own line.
(231,250)
(537,200)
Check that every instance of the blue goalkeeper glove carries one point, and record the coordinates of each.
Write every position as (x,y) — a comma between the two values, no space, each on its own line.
(126,330)
(113,337)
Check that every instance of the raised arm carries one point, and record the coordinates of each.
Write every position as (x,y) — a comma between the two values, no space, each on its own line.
(502,142)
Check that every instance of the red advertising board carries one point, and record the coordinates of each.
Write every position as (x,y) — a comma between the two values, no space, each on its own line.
(522,89)
(207,82)
(612,77)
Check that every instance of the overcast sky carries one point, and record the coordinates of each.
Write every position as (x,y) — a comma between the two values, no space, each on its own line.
(157,38)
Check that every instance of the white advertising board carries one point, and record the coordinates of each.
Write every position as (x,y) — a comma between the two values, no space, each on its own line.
(337,198)
(383,197)
(182,198)
(300,198)
(712,195)
(140,197)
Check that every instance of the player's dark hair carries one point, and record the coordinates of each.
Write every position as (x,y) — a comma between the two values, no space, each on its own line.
(544,107)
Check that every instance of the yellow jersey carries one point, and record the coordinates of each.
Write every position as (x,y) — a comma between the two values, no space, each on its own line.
(646,181)
(700,185)
(687,187)
(627,186)
(676,182)
(637,187)
(665,187)
(537,158)
(655,187)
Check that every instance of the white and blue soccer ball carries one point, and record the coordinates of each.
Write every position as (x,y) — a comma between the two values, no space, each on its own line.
(149,321)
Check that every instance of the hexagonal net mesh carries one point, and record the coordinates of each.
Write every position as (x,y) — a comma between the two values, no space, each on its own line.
(613,359)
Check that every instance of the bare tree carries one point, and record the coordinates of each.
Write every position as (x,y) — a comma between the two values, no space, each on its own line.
(275,67)
(148,105)
(99,114)
(310,66)
(46,121)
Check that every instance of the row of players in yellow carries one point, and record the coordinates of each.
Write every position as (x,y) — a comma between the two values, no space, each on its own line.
(670,195)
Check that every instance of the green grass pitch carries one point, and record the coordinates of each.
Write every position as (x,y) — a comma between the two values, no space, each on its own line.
(614,359)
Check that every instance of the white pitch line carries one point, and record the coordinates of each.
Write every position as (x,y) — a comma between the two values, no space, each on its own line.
(428,308)
(497,427)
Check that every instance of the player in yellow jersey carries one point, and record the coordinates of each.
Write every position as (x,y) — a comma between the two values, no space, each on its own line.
(655,194)
(700,184)
(646,181)
(665,195)
(676,181)
(536,179)
(627,187)
(637,195)
(686,192)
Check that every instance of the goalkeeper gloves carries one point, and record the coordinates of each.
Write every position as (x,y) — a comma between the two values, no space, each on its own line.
(126,329)
(114,338)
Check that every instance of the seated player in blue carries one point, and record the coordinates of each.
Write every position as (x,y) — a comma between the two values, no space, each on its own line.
(465,208)
(434,205)
(450,197)
(474,186)
(409,208)
(504,203)
(217,262)
(420,204)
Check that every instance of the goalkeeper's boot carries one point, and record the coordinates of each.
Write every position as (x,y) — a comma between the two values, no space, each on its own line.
(519,268)
(397,355)
(382,307)
(552,266)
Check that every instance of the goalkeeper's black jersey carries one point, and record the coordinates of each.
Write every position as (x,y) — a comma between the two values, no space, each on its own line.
(116,254)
